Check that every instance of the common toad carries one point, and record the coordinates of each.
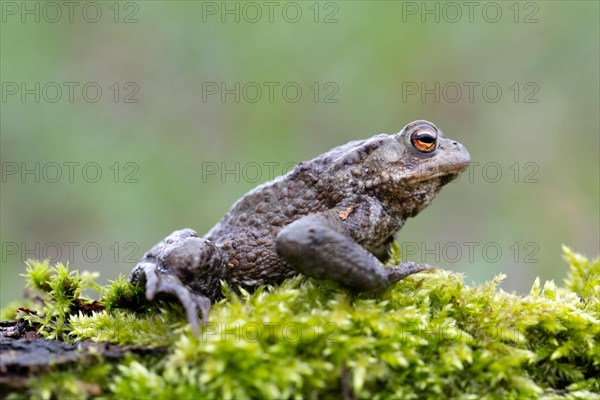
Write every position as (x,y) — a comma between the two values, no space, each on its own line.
(333,217)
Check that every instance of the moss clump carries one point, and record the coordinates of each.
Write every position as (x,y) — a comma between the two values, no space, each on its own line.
(62,291)
(427,336)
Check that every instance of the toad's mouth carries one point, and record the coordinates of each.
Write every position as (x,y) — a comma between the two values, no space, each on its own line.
(448,173)
(444,179)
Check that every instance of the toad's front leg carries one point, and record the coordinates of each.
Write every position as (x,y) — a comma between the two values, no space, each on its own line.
(186,267)
(318,245)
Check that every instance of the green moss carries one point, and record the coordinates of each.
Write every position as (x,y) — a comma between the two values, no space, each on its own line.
(427,336)
(62,291)
(77,383)
(583,278)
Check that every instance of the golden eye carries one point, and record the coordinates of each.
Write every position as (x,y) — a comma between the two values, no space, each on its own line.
(424,140)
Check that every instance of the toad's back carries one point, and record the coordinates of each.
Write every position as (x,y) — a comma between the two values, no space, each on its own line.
(246,234)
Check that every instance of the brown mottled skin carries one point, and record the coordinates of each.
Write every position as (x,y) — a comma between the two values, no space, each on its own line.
(333,217)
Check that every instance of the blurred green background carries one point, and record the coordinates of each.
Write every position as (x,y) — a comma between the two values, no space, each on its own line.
(363,68)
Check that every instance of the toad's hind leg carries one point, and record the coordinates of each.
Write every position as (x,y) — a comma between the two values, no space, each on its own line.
(318,246)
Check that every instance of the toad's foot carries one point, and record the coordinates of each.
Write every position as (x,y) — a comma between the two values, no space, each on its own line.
(401,271)
(183,257)
(159,283)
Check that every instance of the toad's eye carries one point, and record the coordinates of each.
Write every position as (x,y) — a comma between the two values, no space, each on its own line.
(424,140)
